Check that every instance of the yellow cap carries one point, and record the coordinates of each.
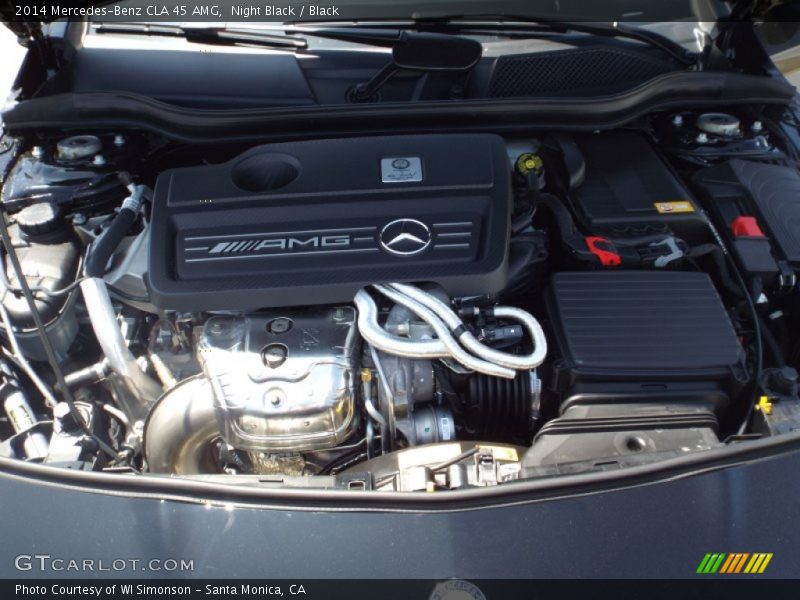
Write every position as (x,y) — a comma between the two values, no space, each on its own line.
(529,162)
(764,405)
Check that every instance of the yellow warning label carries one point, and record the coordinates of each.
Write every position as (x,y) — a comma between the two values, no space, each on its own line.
(676,207)
(501,452)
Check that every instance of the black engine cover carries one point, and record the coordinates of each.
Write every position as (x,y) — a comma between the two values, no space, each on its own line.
(312,222)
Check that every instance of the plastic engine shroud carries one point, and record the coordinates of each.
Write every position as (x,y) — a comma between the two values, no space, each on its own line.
(312,222)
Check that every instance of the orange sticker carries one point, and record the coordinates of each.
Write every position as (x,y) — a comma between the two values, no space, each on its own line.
(677,207)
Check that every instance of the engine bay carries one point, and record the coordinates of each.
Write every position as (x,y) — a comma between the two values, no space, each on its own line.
(400,312)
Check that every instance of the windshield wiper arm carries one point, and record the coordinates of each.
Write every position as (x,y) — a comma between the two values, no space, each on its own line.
(206,35)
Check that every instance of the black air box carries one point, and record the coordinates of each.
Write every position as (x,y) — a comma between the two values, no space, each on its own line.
(629,190)
(642,336)
(311,222)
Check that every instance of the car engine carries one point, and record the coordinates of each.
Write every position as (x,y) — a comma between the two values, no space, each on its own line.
(398,313)
(329,217)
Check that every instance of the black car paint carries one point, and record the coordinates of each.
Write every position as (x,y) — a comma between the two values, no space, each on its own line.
(658,529)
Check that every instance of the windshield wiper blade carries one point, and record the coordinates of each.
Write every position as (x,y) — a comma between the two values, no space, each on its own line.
(503,24)
(223,36)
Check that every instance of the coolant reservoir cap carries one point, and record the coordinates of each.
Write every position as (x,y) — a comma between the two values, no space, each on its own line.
(40,220)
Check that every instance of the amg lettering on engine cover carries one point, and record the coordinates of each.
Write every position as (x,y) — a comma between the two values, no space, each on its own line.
(281,244)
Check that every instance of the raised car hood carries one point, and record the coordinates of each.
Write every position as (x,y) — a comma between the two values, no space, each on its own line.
(747,9)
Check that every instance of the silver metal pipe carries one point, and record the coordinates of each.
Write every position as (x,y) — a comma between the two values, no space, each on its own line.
(164,373)
(117,414)
(471,343)
(444,347)
(388,434)
(109,335)
(382,379)
(535,358)
(377,336)
(180,429)
(372,411)
(375,414)
(86,375)
(444,335)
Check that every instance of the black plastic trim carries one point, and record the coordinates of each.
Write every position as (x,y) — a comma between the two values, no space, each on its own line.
(112,110)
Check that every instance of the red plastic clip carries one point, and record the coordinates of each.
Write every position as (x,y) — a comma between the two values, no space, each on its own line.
(746,227)
(607,257)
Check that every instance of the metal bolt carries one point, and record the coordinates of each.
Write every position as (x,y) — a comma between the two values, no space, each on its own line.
(279,325)
(79,219)
(274,355)
(677,120)
(274,397)
(757,126)
(119,140)
(217,327)
(702,138)
(37,152)
(99,160)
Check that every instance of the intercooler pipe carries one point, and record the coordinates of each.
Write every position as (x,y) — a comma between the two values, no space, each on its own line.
(458,353)
(109,335)
(377,336)
(471,343)
(444,347)
(180,429)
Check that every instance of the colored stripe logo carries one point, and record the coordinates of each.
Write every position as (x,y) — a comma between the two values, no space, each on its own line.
(734,563)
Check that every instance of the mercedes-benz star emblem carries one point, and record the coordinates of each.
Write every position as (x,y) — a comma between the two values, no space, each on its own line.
(401,164)
(405,237)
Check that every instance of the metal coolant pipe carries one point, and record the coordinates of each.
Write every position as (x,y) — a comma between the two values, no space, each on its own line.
(109,335)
